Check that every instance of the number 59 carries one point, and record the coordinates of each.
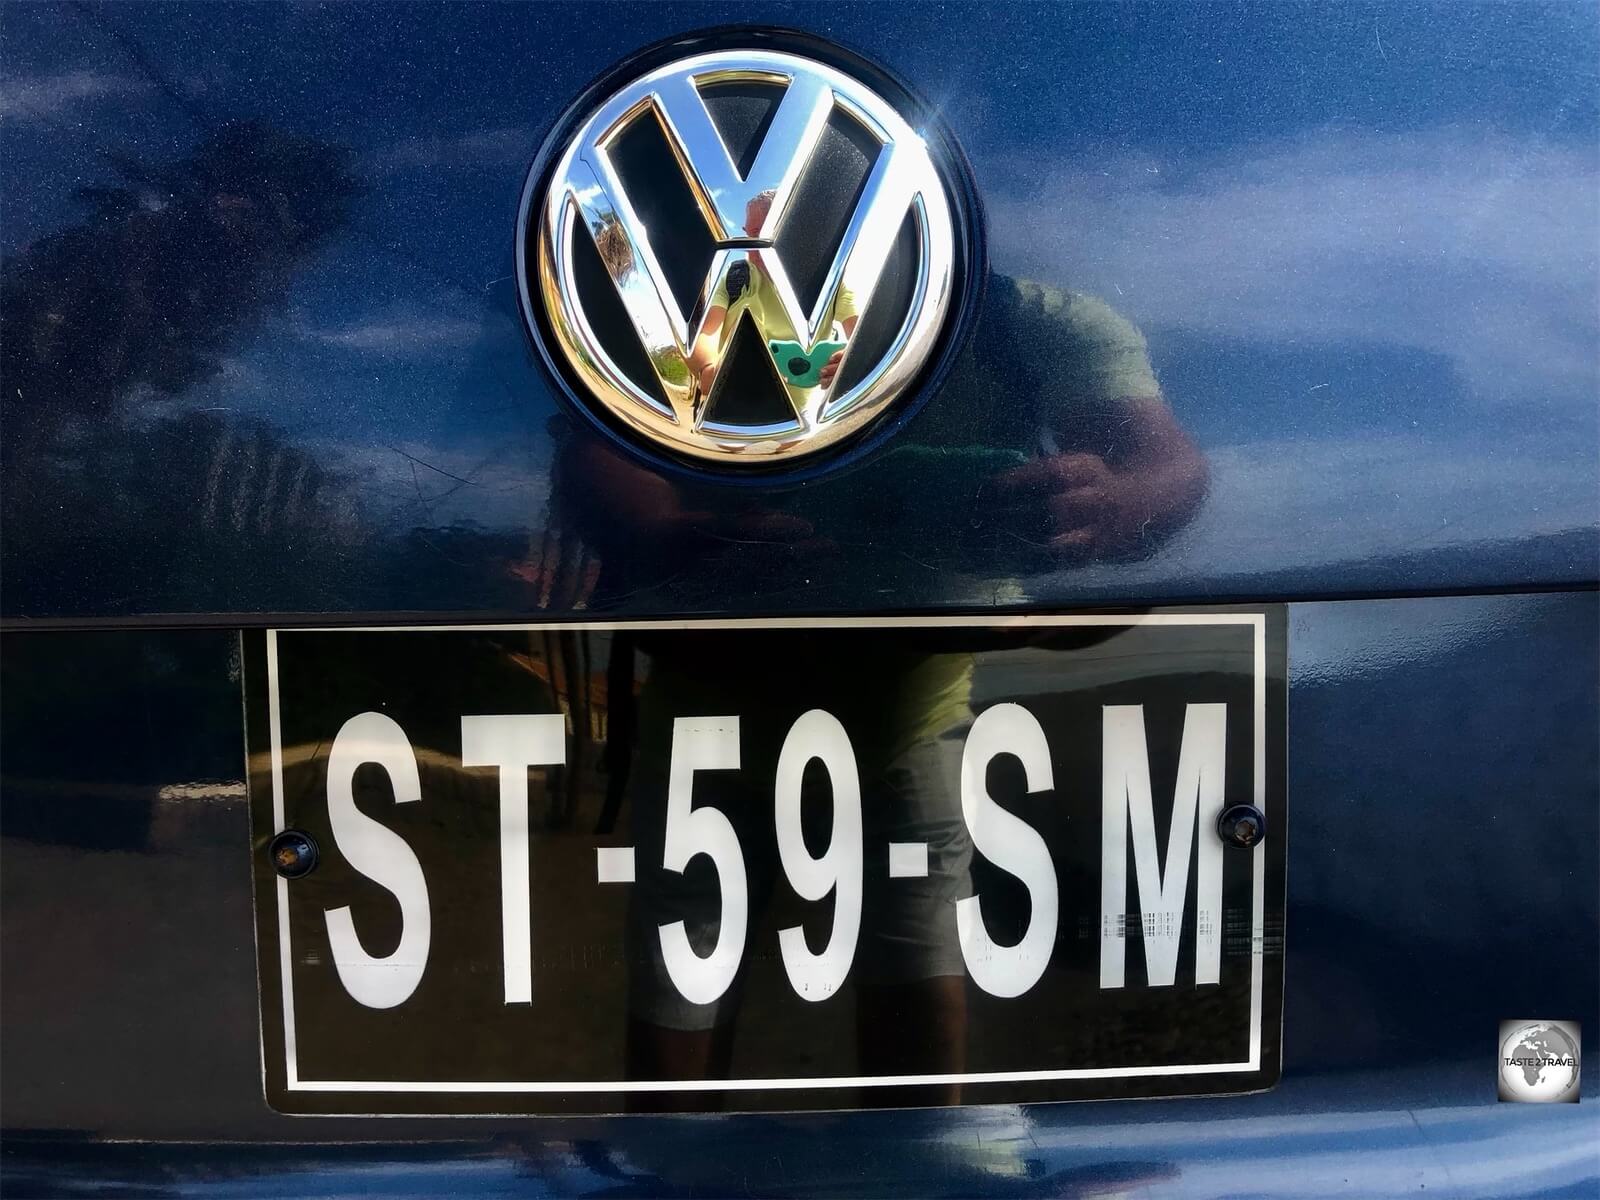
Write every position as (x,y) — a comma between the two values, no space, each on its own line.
(710,744)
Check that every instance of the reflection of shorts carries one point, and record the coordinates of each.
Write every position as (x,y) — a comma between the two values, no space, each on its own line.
(908,925)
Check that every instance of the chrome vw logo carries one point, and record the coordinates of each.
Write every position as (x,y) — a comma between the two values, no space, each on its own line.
(822,389)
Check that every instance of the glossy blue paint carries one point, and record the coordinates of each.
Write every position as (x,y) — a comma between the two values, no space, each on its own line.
(278,367)
(1331,1141)
(1444,874)
(273,362)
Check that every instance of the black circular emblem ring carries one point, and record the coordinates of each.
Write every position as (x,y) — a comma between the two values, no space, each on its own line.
(743,252)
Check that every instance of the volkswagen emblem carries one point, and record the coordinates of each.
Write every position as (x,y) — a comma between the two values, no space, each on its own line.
(744,255)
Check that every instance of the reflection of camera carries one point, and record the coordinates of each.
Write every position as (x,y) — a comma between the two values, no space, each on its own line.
(800,368)
(738,280)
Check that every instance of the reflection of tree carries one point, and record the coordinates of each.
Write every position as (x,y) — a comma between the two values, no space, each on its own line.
(175,512)
(671,368)
(166,271)
(144,298)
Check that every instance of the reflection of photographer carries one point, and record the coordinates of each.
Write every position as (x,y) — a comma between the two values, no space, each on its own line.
(746,288)
(1049,444)
(1115,474)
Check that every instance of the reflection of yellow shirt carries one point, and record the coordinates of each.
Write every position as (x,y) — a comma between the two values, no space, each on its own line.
(935,700)
(1096,351)
(760,299)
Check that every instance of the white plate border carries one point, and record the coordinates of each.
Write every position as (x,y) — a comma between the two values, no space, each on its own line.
(294,1083)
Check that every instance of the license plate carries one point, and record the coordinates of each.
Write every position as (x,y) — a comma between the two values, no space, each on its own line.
(718,865)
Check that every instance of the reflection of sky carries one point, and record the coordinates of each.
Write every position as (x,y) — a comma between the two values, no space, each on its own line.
(1399,328)
(1361,242)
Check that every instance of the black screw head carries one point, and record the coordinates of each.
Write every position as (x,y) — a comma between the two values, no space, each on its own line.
(1242,825)
(293,854)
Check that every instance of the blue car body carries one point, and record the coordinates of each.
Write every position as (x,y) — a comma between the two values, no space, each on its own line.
(264,365)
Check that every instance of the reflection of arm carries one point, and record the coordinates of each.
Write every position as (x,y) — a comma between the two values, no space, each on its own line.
(1119,473)
(845,309)
(831,367)
(704,353)
(1167,460)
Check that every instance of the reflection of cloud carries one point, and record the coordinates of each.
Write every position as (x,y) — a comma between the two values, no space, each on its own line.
(402,335)
(43,95)
(1397,493)
(484,148)
(1466,244)
(1301,502)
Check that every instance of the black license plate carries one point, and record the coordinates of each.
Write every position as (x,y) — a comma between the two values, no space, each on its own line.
(760,864)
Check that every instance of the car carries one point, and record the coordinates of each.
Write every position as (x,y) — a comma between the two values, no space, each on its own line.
(697,600)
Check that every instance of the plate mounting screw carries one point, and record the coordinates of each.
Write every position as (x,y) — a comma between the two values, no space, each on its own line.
(293,854)
(1242,825)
